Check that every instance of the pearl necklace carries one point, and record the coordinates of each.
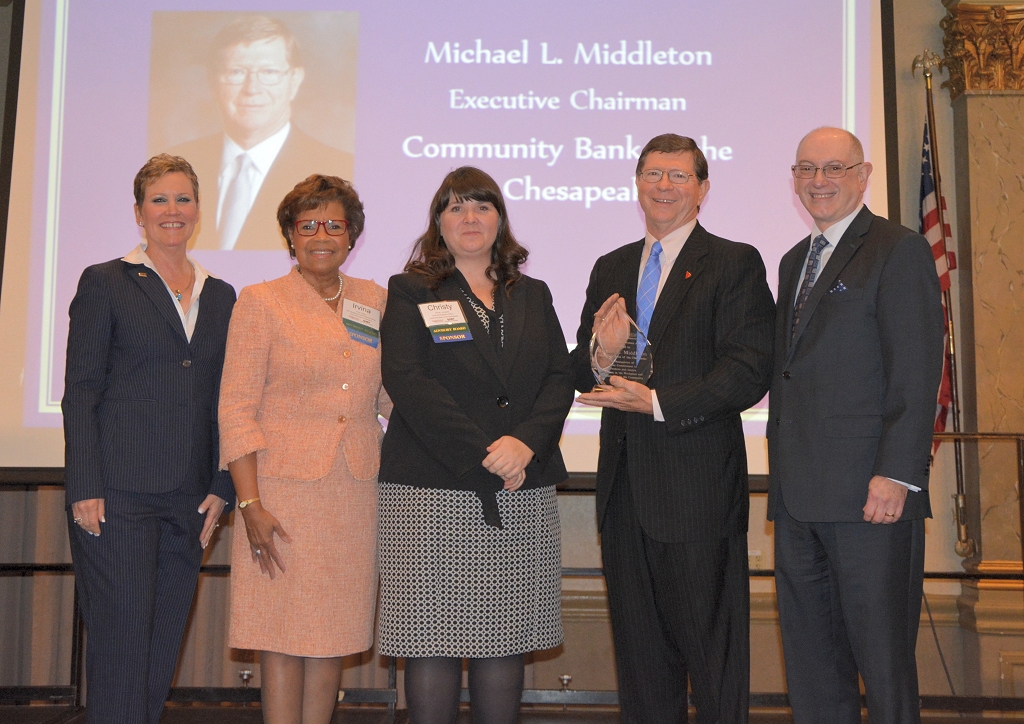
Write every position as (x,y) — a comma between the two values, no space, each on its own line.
(335,297)
(326,299)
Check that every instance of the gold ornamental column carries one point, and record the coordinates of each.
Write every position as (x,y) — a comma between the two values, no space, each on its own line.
(984,49)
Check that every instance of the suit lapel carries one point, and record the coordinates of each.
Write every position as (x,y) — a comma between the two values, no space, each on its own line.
(685,271)
(314,309)
(153,287)
(845,249)
(627,277)
(514,314)
(788,279)
(275,186)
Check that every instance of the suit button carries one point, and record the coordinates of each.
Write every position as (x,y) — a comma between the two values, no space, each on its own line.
(503,402)
(786,375)
(701,418)
(344,386)
(187,363)
(346,353)
(341,419)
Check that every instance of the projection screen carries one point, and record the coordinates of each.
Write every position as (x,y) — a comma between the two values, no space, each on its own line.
(553,99)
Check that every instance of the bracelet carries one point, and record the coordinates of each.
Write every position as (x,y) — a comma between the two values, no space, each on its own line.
(248,502)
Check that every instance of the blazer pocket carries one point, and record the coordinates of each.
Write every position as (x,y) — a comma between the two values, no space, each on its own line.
(853,426)
(848,295)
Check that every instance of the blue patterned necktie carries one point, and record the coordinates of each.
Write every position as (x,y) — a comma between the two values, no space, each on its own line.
(810,274)
(646,294)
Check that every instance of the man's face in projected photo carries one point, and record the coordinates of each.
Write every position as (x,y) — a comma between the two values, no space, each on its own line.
(256,89)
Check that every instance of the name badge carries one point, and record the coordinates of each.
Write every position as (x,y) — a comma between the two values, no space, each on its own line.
(362,322)
(445,321)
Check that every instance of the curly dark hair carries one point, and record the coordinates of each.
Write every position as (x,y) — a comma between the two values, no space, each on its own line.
(430,255)
(315,192)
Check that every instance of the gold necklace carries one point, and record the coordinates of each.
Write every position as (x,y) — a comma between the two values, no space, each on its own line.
(178,292)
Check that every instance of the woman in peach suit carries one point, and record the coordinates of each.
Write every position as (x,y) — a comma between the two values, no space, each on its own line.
(299,401)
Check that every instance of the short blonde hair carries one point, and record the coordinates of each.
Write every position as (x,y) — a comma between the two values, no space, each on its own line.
(158,167)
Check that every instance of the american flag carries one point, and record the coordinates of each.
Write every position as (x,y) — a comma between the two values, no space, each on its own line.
(929,227)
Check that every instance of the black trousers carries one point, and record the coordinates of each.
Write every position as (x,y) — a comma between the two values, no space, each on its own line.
(678,611)
(135,587)
(850,602)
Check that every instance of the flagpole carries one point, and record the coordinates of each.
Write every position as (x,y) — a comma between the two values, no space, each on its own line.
(965,546)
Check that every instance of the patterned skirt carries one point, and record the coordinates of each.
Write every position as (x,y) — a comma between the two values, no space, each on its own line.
(451,585)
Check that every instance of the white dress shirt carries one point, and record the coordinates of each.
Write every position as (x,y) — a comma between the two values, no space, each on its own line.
(262,155)
(138,255)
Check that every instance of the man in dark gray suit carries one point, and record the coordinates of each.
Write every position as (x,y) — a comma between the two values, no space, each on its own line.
(858,357)
(672,500)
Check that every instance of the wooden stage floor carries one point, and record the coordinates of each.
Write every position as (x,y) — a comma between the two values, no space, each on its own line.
(236,714)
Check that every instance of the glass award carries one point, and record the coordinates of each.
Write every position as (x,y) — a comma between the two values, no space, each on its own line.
(613,349)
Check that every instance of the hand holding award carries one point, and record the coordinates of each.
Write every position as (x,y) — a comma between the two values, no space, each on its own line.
(618,347)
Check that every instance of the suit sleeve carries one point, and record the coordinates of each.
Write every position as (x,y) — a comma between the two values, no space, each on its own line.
(89,339)
(220,480)
(744,317)
(429,410)
(542,430)
(583,375)
(910,329)
(246,363)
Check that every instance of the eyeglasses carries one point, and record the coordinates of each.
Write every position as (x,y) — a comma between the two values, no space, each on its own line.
(266,76)
(653,176)
(831,170)
(333,227)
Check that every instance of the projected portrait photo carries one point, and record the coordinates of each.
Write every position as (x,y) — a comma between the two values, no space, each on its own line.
(256,103)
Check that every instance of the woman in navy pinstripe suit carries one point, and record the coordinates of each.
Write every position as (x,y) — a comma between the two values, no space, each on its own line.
(145,350)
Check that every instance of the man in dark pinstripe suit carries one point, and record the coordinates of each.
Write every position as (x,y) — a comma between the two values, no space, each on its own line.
(672,473)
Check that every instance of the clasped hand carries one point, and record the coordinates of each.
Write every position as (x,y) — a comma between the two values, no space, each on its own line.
(508,457)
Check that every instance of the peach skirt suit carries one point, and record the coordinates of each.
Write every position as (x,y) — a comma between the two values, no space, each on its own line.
(304,396)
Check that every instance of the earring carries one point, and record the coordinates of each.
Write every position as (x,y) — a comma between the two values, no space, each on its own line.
(141,224)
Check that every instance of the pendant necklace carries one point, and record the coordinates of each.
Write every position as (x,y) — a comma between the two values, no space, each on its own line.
(177,292)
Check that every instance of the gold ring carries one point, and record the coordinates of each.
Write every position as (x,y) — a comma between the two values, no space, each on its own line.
(889,515)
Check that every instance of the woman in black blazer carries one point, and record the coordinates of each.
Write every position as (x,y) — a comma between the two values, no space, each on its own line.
(145,351)
(473,357)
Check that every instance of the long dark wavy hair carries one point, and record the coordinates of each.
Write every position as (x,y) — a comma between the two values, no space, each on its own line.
(430,255)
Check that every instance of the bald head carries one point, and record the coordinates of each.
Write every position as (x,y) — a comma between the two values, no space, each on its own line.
(836,137)
(830,198)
